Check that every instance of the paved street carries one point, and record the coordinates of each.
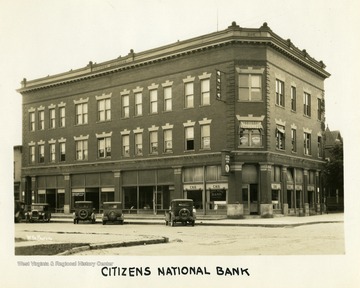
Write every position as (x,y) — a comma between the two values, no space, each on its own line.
(315,235)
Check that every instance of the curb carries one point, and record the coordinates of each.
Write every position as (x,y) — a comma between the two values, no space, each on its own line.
(95,246)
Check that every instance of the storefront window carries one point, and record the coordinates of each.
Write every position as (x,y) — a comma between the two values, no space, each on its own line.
(195,174)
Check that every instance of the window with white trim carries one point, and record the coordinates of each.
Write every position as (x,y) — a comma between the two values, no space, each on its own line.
(41,149)
(104,147)
(41,123)
(125,145)
(280,137)
(250,134)
(52,118)
(153,101)
(307,143)
(32,154)
(205,136)
(293,98)
(280,93)
(32,121)
(138,144)
(167,98)
(62,150)
(125,105)
(293,140)
(104,109)
(81,150)
(52,152)
(189,138)
(307,104)
(205,92)
(138,104)
(168,140)
(153,135)
(189,94)
(250,88)
(81,113)
(61,116)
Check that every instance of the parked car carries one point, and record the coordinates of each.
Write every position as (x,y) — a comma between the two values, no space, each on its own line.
(19,211)
(38,212)
(112,212)
(84,211)
(181,210)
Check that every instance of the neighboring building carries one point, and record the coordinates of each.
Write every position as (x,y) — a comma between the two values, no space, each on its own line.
(17,172)
(334,187)
(165,123)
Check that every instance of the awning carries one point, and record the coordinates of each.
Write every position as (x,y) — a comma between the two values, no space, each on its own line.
(251,125)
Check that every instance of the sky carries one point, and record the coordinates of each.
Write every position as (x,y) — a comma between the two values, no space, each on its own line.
(46,37)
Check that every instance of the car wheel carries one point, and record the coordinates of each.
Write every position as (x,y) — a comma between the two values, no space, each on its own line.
(166,223)
(103,222)
(74,221)
(193,223)
(121,222)
(172,223)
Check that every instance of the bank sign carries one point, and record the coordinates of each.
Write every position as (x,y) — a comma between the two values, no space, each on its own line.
(225,163)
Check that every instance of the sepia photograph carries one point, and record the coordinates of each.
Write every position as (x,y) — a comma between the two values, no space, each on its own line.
(179,143)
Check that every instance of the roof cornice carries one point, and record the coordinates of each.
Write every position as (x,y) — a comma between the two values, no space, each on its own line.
(231,36)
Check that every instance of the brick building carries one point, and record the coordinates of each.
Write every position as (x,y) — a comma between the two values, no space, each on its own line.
(233,119)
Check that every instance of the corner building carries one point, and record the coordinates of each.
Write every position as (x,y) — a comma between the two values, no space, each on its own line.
(233,120)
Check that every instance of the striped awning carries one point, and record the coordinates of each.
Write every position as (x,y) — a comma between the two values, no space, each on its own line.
(251,125)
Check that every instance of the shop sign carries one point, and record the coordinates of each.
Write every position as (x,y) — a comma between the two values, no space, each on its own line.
(298,187)
(311,188)
(193,187)
(275,186)
(217,195)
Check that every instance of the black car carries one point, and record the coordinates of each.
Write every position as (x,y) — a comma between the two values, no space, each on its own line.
(39,212)
(84,211)
(181,210)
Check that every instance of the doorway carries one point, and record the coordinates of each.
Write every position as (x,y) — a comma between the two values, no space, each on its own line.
(250,199)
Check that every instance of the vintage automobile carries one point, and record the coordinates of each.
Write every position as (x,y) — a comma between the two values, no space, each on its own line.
(112,212)
(38,212)
(84,211)
(19,208)
(181,210)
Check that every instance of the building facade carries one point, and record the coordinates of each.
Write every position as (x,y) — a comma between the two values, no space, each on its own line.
(17,150)
(233,120)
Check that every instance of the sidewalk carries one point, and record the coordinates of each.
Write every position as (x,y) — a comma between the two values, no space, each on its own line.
(222,220)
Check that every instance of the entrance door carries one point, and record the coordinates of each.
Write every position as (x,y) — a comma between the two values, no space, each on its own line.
(158,196)
(250,198)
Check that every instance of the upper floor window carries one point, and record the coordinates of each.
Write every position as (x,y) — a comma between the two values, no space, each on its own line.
(104,109)
(280,97)
(250,134)
(41,153)
(32,154)
(138,104)
(62,117)
(307,104)
(189,138)
(205,92)
(205,136)
(307,143)
(189,95)
(52,152)
(153,101)
(293,98)
(250,88)
(32,121)
(280,137)
(125,106)
(41,123)
(126,145)
(138,144)
(167,98)
(168,140)
(104,147)
(52,118)
(81,113)
(293,140)
(81,149)
(153,142)
(62,148)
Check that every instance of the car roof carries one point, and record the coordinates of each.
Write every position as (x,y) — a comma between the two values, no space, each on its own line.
(39,204)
